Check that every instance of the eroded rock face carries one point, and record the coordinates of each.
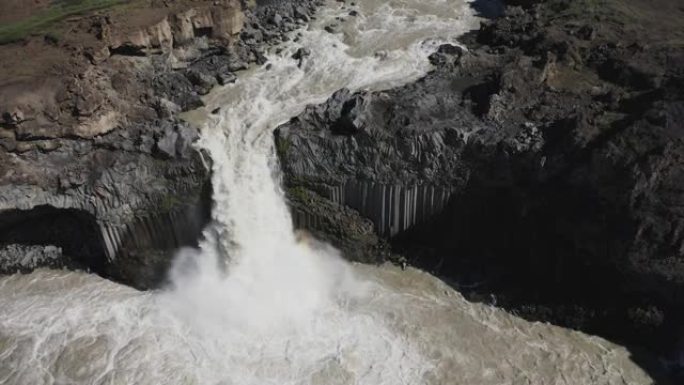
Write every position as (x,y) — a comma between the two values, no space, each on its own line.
(146,191)
(544,164)
(91,146)
(382,154)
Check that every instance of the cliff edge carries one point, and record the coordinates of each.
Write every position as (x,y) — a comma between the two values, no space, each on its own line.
(97,170)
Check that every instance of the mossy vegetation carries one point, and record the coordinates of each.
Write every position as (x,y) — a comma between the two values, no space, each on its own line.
(168,203)
(298,193)
(43,21)
(578,7)
(282,146)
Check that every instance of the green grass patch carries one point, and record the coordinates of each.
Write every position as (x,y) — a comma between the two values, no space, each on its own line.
(282,146)
(42,21)
(168,203)
(575,8)
(298,193)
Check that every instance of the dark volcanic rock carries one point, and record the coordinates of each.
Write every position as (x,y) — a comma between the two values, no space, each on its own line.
(118,205)
(393,156)
(96,170)
(545,165)
(17,258)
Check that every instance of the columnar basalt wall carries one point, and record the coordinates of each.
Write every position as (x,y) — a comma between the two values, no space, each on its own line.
(379,158)
(392,208)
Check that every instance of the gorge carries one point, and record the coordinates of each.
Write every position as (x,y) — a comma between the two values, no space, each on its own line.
(266,137)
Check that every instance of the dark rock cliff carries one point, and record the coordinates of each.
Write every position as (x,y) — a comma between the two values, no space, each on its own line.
(542,168)
(97,171)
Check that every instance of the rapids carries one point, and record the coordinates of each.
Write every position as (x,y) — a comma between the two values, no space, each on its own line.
(261,304)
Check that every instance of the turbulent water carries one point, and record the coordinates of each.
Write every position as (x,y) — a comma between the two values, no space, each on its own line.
(260,304)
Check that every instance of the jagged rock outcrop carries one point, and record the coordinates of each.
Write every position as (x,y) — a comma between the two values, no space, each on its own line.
(18,257)
(380,153)
(97,171)
(126,194)
(556,143)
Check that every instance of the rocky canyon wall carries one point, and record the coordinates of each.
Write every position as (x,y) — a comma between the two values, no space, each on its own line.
(91,142)
(541,168)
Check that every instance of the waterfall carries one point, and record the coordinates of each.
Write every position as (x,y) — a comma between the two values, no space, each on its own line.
(252,232)
(253,273)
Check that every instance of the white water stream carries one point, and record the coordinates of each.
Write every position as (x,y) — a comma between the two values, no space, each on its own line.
(257,305)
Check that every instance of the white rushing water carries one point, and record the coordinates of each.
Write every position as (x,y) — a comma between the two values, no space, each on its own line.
(259,304)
